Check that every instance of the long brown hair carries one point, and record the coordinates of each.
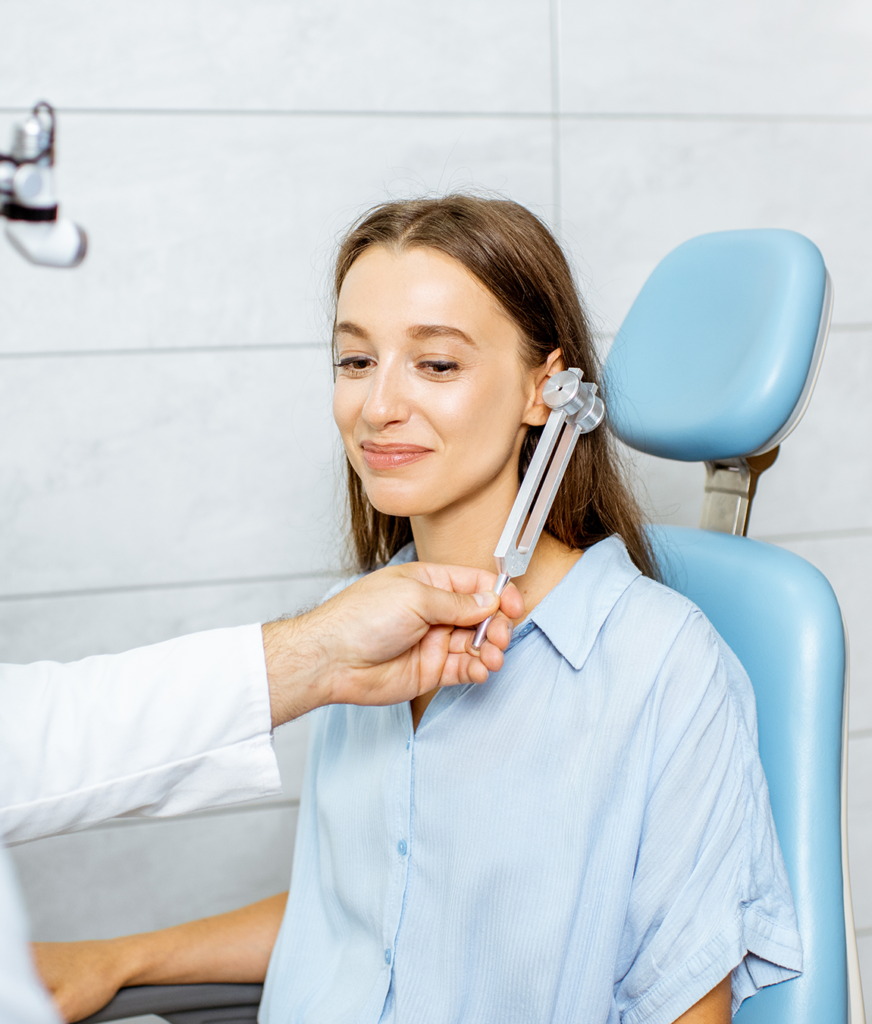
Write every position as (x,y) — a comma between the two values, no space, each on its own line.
(513,254)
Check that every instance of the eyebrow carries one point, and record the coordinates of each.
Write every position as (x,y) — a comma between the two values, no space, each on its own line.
(423,332)
(420,332)
(347,327)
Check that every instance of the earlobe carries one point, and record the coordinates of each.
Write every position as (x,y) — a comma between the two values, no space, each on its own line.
(537,411)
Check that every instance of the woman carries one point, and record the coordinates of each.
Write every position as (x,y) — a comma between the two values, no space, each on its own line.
(586,837)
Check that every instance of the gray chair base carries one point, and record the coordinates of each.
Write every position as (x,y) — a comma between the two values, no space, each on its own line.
(185,1004)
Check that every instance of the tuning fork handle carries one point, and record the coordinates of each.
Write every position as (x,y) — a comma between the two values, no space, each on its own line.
(481,633)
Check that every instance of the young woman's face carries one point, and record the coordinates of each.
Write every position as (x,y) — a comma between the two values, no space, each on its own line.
(432,398)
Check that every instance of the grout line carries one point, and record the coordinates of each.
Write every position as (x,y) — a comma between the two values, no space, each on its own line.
(138,588)
(268,804)
(847,328)
(510,115)
(859,734)
(862,933)
(846,534)
(166,350)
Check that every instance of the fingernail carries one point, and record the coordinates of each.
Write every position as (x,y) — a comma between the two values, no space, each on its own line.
(483,600)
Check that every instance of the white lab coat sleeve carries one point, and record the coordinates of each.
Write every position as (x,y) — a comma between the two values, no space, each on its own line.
(23,1000)
(176,727)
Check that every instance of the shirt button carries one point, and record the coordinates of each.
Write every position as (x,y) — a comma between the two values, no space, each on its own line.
(401,846)
(408,744)
(387,956)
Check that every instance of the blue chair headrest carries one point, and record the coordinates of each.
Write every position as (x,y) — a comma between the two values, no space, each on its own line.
(719,353)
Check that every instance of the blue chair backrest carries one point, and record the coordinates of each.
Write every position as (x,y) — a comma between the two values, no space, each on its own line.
(716,360)
(781,617)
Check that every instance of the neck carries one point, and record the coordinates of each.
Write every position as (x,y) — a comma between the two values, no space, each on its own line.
(467,533)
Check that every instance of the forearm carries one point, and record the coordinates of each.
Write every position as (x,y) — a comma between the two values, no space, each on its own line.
(233,947)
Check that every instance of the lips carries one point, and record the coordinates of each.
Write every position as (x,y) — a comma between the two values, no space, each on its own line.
(392,456)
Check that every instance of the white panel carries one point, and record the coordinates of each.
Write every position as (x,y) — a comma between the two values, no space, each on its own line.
(291,744)
(219,230)
(864,948)
(860,829)
(821,480)
(138,877)
(634,190)
(69,628)
(151,469)
(669,492)
(847,564)
(264,54)
(782,56)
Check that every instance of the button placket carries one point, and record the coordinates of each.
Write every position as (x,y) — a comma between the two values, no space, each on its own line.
(400,874)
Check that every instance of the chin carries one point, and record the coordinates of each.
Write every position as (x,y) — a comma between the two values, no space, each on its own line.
(393,502)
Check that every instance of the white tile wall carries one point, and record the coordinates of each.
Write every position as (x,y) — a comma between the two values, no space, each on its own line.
(633,190)
(860,830)
(145,469)
(68,628)
(261,54)
(779,57)
(212,225)
(138,877)
(219,230)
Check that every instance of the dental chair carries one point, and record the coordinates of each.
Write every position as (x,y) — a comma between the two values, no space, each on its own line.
(716,363)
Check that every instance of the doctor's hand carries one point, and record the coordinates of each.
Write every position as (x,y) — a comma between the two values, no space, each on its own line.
(393,635)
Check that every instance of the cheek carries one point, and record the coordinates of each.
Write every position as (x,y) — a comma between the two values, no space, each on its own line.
(481,428)
(346,409)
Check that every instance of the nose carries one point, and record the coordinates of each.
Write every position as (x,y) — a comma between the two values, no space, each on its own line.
(386,402)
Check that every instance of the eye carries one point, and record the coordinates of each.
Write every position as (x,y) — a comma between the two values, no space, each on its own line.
(439,367)
(352,366)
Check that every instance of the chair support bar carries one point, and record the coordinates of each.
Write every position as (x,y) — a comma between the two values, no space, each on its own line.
(730,486)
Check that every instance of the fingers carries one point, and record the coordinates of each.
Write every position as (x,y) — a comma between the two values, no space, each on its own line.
(444,607)
(464,580)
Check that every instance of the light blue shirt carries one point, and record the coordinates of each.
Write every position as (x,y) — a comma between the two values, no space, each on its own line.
(586,837)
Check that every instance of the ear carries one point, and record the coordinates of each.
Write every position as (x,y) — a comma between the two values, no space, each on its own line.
(537,412)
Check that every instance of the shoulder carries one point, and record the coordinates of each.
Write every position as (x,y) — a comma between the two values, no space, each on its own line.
(605,606)
(620,629)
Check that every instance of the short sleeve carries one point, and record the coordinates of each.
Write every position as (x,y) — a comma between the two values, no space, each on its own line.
(710,893)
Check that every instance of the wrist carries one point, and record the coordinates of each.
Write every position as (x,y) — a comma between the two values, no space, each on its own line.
(128,960)
(297,665)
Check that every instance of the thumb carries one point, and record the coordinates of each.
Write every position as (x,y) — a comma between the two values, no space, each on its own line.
(445,608)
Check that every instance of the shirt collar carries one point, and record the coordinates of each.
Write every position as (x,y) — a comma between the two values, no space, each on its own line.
(573,613)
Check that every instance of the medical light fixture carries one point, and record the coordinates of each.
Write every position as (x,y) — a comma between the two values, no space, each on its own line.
(28,202)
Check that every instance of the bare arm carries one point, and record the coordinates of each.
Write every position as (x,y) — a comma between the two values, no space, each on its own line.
(713,1008)
(83,976)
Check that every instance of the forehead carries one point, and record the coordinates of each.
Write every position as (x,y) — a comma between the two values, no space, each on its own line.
(415,285)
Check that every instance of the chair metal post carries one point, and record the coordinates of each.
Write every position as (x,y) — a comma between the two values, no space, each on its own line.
(730,486)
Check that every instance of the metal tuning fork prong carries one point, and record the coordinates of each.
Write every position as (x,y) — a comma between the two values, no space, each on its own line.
(576,410)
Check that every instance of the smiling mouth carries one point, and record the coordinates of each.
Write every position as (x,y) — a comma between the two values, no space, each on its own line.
(392,456)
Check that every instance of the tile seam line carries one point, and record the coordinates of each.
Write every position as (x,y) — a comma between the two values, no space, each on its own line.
(540,115)
(138,588)
(291,346)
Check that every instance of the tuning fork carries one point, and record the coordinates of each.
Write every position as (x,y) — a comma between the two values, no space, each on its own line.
(576,409)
